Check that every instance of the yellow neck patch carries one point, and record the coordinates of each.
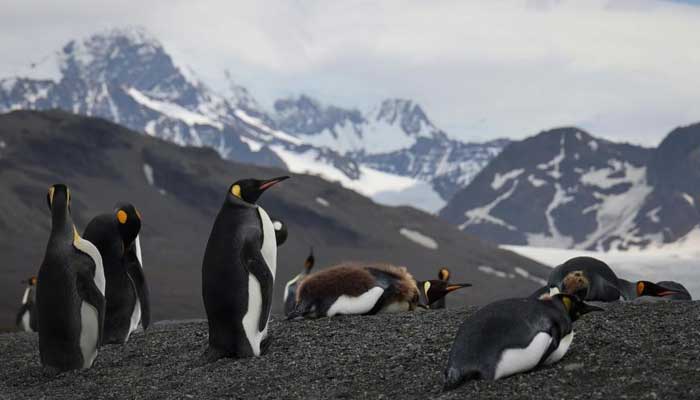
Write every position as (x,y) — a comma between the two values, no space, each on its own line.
(640,288)
(76,237)
(567,303)
(121,216)
(51,190)
(426,287)
(236,191)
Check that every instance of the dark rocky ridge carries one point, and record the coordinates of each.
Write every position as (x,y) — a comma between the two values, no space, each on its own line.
(636,351)
(104,163)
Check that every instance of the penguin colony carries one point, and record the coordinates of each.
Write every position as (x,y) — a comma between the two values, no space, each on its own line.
(91,290)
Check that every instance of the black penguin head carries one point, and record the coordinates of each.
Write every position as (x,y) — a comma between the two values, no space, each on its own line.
(280,231)
(31,281)
(573,305)
(646,288)
(249,190)
(444,274)
(128,222)
(310,260)
(58,197)
(433,290)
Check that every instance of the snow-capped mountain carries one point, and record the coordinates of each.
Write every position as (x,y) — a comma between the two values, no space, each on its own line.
(126,76)
(564,188)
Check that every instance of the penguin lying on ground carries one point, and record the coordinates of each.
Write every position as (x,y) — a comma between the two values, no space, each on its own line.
(587,277)
(70,292)
(116,237)
(512,336)
(26,317)
(364,289)
(238,273)
(290,289)
(664,290)
(443,275)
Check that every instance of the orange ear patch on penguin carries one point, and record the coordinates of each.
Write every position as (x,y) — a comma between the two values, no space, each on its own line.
(122,216)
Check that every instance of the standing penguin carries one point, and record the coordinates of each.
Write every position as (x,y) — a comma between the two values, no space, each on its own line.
(70,292)
(443,275)
(26,317)
(116,237)
(433,291)
(512,336)
(290,289)
(238,273)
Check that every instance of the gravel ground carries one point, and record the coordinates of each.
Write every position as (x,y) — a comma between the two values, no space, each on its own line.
(641,351)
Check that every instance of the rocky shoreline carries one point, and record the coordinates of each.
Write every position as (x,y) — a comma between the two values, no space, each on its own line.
(641,351)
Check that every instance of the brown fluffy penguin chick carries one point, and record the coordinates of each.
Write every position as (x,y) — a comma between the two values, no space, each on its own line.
(356,288)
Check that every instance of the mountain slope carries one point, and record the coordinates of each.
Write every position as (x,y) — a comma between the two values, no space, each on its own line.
(565,188)
(179,190)
(126,76)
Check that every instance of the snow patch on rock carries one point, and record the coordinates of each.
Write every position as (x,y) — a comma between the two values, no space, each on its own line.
(322,201)
(419,238)
(499,180)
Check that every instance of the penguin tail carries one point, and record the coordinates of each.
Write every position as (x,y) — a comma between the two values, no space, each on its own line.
(211,355)
(454,377)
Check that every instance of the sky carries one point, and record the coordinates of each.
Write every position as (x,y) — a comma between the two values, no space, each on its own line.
(626,70)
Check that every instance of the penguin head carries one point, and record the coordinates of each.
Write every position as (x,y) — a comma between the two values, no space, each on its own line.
(280,231)
(128,222)
(310,260)
(444,274)
(31,281)
(249,190)
(646,288)
(433,290)
(58,197)
(576,283)
(573,305)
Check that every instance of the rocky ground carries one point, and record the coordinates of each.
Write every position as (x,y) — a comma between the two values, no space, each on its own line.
(640,351)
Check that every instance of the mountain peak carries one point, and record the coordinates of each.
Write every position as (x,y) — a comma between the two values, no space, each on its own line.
(409,115)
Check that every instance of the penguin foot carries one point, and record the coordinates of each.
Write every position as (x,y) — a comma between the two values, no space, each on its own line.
(210,355)
(265,346)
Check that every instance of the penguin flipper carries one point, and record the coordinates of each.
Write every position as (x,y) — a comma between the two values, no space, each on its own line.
(137,277)
(90,293)
(256,265)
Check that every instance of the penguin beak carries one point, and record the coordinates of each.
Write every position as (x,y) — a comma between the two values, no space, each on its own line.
(271,182)
(455,286)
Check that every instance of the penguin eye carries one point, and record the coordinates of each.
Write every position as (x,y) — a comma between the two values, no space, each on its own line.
(236,191)
(122,217)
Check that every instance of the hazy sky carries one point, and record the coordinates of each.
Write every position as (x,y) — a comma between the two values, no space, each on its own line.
(623,69)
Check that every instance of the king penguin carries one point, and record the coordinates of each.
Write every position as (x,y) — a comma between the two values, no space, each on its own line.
(664,290)
(280,231)
(116,235)
(290,289)
(588,278)
(433,291)
(443,275)
(512,336)
(238,273)
(26,317)
(353,288)
(70,292)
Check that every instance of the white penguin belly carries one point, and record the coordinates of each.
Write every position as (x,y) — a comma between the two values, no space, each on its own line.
(513,361)
(89,332)
(135,319)
(355,305)
(564,345)
(395,307)
(26,318)
(252,315)
(88,248)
